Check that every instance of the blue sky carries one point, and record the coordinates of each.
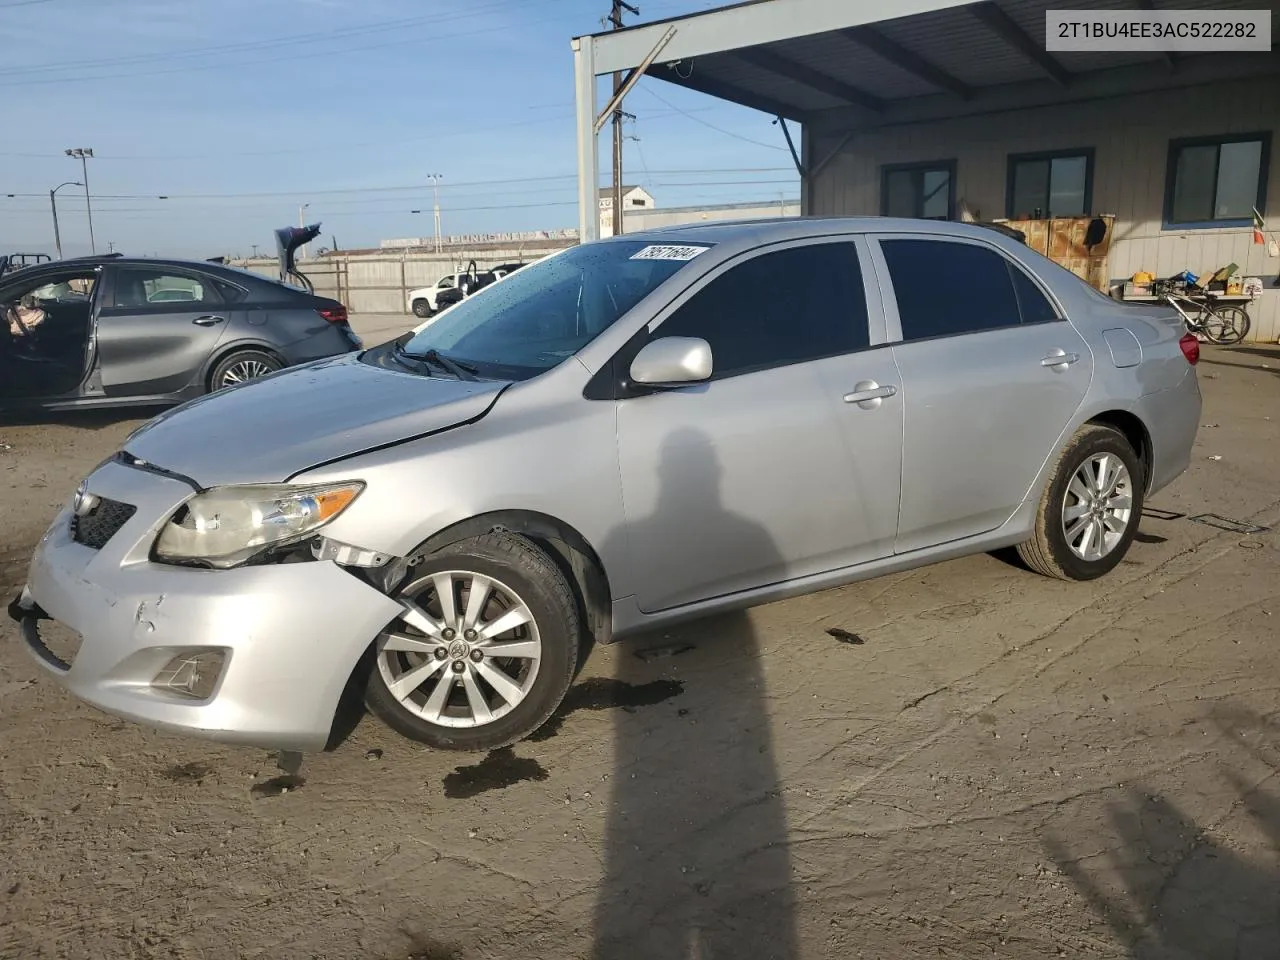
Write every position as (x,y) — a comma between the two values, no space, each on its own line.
(239,111)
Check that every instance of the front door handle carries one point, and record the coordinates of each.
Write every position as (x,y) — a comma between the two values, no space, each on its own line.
(207,321)
(1059,359)
(867,394)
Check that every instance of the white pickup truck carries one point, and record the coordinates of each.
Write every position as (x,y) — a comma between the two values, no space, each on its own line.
(423,300)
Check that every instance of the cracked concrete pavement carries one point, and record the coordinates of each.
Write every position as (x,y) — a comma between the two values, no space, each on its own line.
(1006,766)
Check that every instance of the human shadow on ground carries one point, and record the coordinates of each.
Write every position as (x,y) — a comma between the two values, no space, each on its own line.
(1184,890)
(696,861)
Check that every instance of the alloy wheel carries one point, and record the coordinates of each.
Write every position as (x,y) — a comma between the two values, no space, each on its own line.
(244,370)
(464,652)
(1098,506)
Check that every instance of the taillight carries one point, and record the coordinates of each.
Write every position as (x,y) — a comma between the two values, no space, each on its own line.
(1190,348)
(336,314)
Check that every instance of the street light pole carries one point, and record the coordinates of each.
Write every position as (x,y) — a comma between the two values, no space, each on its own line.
(435,192)
(302,212)
(53,205)
(83,154)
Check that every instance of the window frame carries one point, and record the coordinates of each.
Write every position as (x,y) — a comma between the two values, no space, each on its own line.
(1015,158)
(923,166)
(612,380)
(171,306)
(889,295)
(64,273)
(867,277)
(1171,168)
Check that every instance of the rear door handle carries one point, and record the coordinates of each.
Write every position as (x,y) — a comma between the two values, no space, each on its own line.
(867,394)
(1059,358)
(207,321)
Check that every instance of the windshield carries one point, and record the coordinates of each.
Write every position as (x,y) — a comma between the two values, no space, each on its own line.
(546,312)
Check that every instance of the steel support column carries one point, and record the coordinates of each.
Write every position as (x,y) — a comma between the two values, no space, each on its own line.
(584,71)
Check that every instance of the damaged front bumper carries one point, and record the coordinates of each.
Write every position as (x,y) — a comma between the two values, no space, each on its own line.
(254,655)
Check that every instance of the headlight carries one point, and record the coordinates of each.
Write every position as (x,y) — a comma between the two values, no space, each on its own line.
(227,525)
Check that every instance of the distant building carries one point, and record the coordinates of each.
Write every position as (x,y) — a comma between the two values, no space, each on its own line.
(633,199)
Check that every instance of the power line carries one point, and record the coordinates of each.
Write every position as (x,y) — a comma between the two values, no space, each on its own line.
(248,46)
(412,187)
(346,49)
(381,143)
(727,133)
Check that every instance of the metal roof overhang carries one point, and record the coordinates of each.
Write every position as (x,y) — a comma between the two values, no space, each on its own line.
(843,66)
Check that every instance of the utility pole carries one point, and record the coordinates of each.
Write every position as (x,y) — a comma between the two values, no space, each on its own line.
(615,18)
(435,196)
(83,154)
(53,205)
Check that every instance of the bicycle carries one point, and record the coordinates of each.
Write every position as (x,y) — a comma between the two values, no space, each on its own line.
(1224,324)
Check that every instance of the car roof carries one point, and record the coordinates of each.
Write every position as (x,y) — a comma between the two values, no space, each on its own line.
(225,272)
(766,230)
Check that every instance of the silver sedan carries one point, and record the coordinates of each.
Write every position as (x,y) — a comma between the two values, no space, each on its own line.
(644,429)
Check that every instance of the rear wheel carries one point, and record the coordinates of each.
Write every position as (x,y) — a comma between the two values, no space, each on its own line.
(242,366)
(1231,323)
(1090,511)
(484,650)
(421,308)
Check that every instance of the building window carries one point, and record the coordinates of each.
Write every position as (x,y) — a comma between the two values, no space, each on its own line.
(1216,181)
(921,190)
(1043,185)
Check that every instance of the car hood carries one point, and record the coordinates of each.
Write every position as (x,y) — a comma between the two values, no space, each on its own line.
(268,430)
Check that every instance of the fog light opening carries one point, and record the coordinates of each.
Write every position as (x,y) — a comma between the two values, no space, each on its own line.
(192,674)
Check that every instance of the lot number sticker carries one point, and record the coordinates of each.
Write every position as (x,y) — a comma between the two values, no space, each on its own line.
(659,251)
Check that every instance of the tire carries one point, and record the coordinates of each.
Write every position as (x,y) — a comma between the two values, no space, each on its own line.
(1050,551)
(241,366)
(1233,323)
(467,709)
(421,308)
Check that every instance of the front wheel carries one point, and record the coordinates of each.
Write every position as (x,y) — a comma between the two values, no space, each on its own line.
(421,308)
(1090,511)
(484,650)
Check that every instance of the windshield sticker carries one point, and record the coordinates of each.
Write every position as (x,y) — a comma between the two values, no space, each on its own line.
(663,251)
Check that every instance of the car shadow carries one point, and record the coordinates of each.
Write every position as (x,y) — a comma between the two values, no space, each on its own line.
(1172,887)
(696,862)
(90,420)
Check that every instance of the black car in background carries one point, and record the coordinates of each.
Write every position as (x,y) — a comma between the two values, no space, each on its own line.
(114,331)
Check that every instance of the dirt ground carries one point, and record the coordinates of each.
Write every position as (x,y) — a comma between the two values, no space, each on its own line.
(979,763)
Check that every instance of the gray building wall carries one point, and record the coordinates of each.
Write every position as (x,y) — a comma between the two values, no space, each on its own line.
(1130,137)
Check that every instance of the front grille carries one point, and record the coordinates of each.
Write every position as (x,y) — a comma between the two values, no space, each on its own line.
(100,524)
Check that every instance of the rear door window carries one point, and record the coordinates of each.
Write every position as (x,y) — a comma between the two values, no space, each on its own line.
(946,288)
(1033,304)
(144,287)
(793,305)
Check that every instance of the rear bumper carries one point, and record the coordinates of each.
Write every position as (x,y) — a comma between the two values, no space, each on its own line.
(332,340)
(1173,419)
(289,634)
